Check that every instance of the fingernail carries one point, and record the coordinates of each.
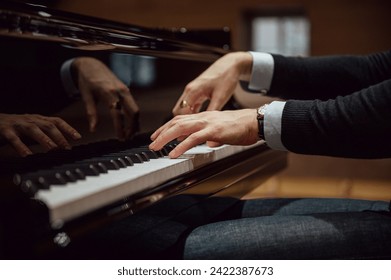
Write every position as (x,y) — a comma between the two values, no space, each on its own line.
(172,154)
(76,135)
(52,145)
(26,153)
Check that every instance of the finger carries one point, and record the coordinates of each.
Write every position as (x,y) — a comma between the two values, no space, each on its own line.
(38,135)
(177,128)
(194,96)
(66,129)
(54,133)
(91,110)
(190,142)
(182,107)
(167,125)
(118,118)
(131,110)
(213,144)
(16,143)
(160,130)
(218,100)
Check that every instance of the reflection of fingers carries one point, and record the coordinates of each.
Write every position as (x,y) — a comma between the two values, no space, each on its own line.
(92,117)
(131,111)
(57,137)
(37,134)
(130,106)
(67,129)
(17,144)
(91,110)
(118,122)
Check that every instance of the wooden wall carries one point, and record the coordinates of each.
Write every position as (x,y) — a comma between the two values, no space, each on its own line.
(338,26)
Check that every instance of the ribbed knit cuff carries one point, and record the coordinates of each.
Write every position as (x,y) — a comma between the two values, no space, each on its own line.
(297,131)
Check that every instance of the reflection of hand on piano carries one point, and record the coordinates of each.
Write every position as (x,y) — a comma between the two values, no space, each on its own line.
(49,132)
(96,82)
(238,127)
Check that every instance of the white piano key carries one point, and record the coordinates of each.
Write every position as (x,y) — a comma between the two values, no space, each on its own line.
(68,201)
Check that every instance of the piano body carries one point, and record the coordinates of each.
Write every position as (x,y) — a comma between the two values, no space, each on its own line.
(51,200)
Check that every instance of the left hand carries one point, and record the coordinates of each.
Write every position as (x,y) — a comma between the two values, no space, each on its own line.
(216,84)
(237,127)
(96,83)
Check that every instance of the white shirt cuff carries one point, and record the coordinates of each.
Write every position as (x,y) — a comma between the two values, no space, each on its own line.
(262,72)
(67,80)
(272,125)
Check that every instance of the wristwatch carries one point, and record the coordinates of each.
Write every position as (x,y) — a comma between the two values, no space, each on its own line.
(260,118)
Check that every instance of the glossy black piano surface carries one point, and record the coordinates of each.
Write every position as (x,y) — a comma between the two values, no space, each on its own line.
(156,65)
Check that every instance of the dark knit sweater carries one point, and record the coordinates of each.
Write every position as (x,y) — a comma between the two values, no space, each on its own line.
(337,105)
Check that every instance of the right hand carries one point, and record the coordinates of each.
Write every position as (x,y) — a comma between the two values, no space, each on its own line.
(49,132)
(238,127)
(216,84)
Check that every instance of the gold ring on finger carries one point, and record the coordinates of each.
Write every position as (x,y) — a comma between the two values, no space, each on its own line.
(183,104)
(116,105)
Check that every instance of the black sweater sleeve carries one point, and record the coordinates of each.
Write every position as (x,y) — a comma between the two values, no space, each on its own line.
(329,76)
(350,111)
(356,126)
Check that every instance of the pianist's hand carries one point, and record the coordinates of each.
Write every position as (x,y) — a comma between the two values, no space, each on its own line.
(50,132)
(216,84)
(239,127)
(96,83)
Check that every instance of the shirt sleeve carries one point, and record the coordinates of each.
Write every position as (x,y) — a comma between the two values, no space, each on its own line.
(260,81)
(262,72)
(67,80)
(272,125)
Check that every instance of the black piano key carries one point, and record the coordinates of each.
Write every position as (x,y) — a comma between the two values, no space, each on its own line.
(169,147)
(90,167)
(42,183)
(148,153)
(135,158)
(62,167)
(140,154)
(118,160)
(29,187)
(164,151)
(71,173)
(125,158)
(79,174)
(44,178)
(107,163)
(143,155)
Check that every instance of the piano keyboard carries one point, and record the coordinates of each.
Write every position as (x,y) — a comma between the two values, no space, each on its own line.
(74,189)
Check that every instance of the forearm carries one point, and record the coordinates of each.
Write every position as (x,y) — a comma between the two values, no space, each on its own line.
(355,125)
(327,77)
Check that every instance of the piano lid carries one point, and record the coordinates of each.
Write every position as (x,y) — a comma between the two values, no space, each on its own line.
(38,22)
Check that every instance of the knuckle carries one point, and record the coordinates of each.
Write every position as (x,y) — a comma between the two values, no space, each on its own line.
(48,126)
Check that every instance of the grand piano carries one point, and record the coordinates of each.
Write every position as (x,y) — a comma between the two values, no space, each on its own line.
(53,203)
